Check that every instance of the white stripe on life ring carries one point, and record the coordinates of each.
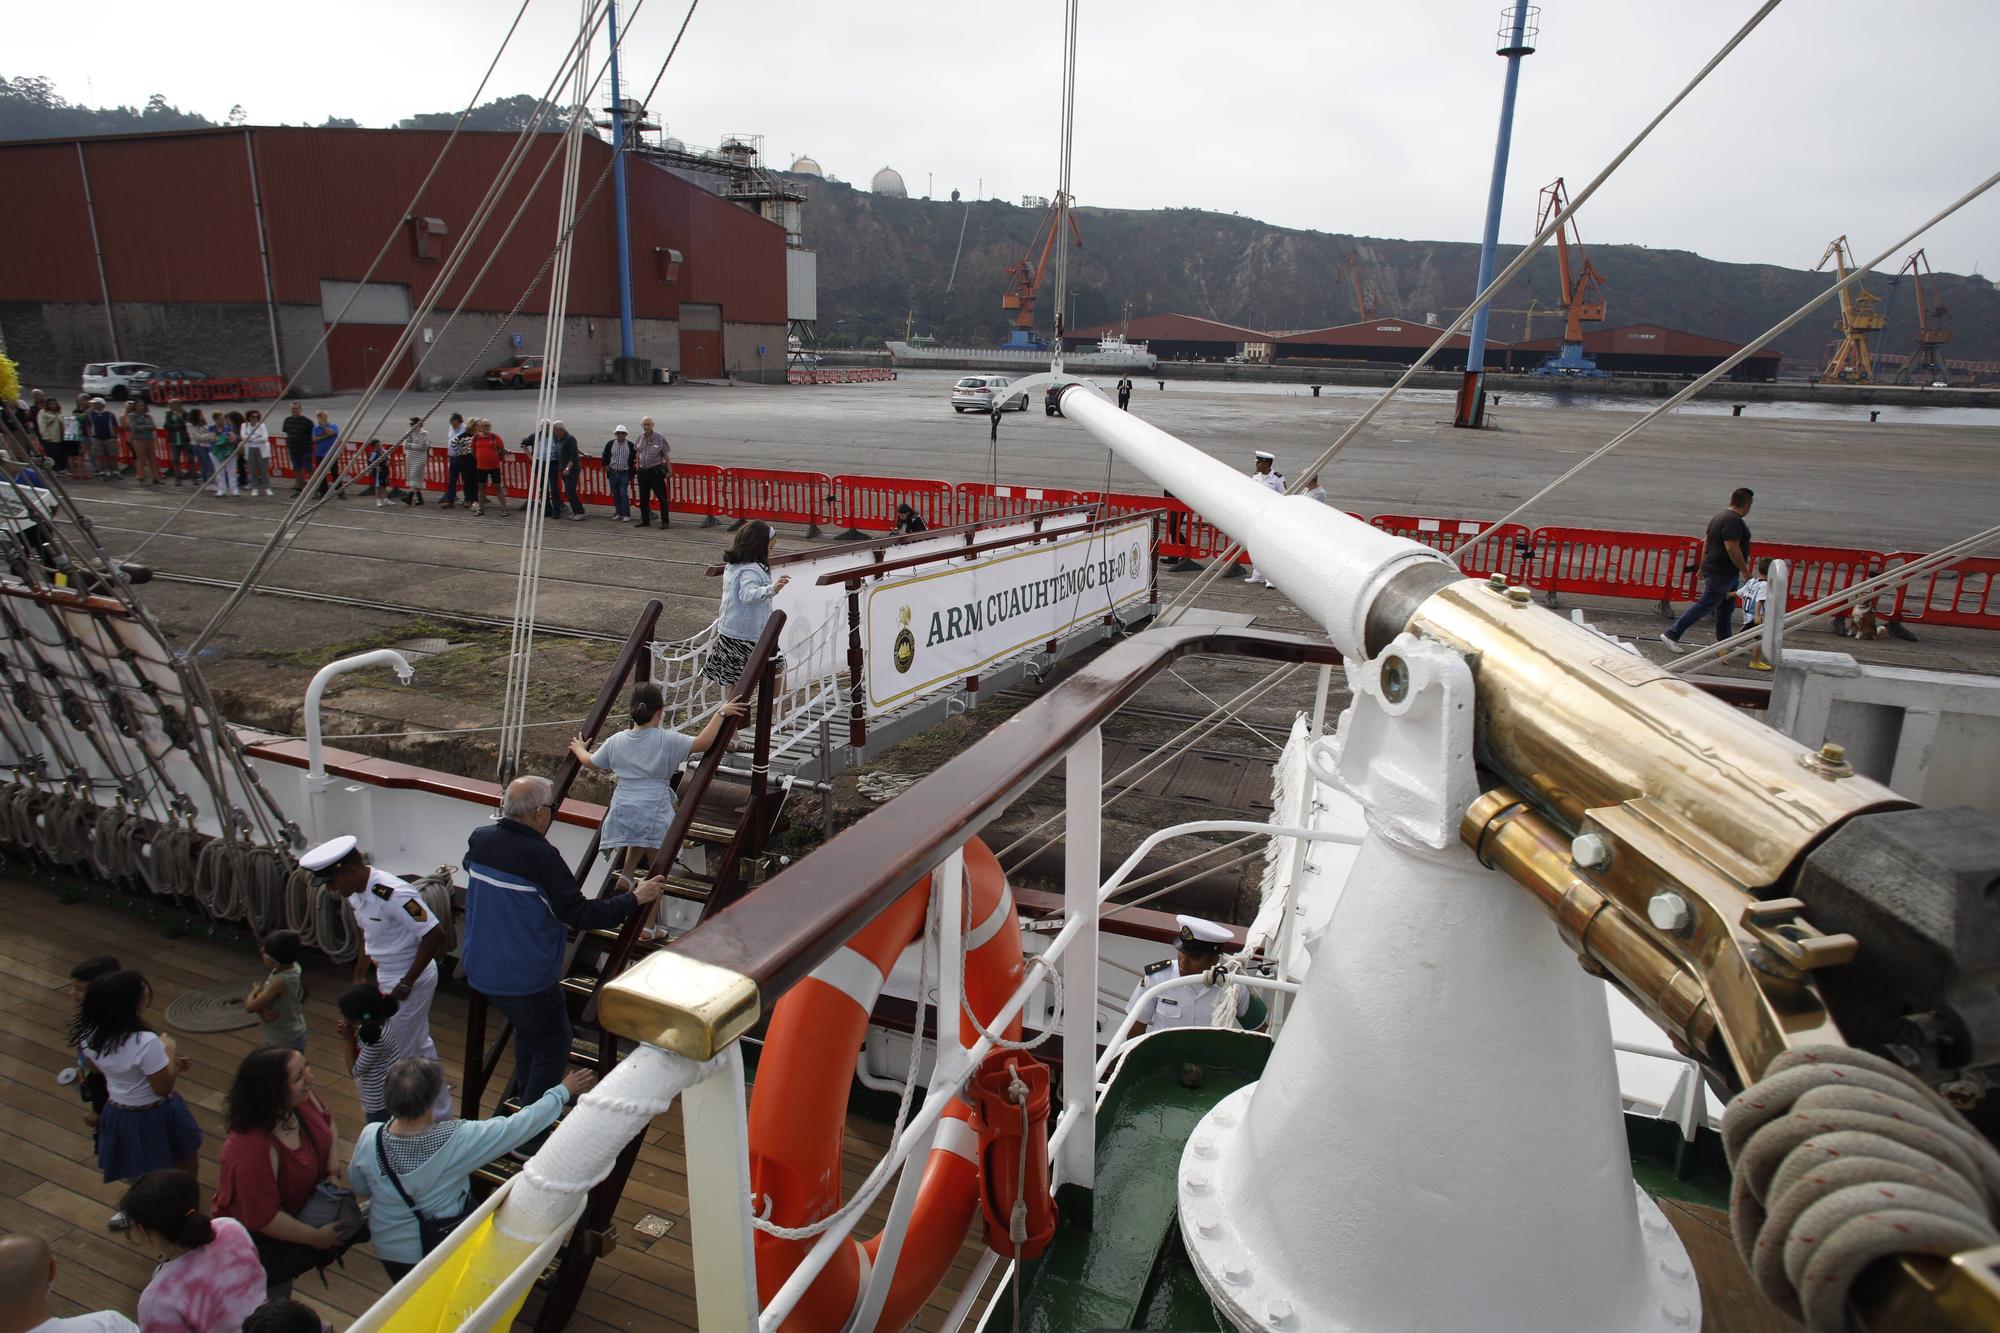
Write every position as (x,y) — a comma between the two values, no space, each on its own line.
(987,929)
(852,975)
(958,1137)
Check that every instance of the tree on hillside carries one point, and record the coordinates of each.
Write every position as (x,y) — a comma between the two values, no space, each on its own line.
(31,108)
(502,113)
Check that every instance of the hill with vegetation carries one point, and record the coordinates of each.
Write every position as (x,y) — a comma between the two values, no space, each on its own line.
(938,267)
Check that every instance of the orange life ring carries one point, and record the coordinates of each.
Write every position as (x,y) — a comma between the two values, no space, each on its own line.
(798,1107)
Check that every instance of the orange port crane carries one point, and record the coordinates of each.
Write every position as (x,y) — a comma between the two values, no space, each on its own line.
(1024,276)
(1926,364)
(1861,317)
(1582,297)
(1365,300)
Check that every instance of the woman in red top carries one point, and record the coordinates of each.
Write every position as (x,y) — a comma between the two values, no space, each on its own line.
(486,452)
(281,1144)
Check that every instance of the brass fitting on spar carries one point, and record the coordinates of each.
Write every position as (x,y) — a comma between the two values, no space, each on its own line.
(680,1004)
(1508,835)
(1577,724)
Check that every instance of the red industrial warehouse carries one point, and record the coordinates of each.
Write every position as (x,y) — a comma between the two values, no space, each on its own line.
(1396,341)
(232,250)
(1648,349)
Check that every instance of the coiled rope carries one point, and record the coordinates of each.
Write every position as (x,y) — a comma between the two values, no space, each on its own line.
(1842,1158)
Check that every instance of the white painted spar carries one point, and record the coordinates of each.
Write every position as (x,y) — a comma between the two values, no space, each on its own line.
(324,677)
(1328,562)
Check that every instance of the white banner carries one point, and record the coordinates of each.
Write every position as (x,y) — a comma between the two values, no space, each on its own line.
(940,625)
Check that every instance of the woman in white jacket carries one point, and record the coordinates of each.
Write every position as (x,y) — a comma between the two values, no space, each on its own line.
(257,453)
(747,590)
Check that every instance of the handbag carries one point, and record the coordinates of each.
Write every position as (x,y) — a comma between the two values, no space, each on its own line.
(431,1231)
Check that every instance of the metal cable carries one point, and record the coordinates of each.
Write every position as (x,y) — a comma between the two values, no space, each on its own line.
(1228,558)
(1728,364)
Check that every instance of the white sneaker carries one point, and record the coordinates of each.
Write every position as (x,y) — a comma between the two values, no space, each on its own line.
(1674,645)
(267,490)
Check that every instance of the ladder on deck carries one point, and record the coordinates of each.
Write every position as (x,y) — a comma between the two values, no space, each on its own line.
(731,827)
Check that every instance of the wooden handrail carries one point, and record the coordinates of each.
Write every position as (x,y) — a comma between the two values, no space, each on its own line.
(799,918)
(636,644)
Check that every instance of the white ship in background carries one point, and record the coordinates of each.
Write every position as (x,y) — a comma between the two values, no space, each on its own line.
(1113,354)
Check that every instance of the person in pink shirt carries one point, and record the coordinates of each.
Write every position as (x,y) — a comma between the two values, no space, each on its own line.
(209,1278)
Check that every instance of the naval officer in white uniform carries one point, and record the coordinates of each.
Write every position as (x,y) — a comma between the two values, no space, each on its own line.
(1267,474)
(1200,943)
(399,935)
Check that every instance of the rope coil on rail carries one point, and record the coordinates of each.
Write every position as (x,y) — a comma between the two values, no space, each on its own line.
(1842,1158)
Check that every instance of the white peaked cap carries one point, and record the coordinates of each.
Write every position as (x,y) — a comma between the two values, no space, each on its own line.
(331,852)
(1204,932)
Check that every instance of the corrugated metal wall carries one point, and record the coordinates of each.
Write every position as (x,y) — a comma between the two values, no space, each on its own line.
(178,224)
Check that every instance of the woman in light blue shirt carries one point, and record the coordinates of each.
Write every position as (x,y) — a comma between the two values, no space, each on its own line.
(644,757)
(419,1172)
(747,590)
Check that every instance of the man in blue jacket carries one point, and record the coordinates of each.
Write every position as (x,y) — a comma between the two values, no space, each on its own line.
(520,904)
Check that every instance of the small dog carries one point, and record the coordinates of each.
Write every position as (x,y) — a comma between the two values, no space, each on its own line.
(1863,623)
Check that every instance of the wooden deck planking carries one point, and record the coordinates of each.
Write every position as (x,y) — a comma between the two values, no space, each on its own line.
(49,1181)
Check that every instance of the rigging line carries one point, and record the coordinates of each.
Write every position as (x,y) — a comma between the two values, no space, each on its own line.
(527,594)
(301,507)
(1852,595)
(193,687)
(624,147)
(1190,734)
(1730,363)
(415,197)
(529,290)
(463,241)
(1228,557)
(1063,201)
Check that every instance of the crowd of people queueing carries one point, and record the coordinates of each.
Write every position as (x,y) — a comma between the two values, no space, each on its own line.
(230,452)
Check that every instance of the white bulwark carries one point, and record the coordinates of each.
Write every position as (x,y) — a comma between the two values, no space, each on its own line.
(939,626)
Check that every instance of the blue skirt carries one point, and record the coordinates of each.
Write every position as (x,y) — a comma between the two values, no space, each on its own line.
(131,1143)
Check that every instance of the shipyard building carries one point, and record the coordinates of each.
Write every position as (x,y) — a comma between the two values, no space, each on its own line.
(231,251)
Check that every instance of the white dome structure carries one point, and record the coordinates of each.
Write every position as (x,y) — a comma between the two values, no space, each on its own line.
(805,166)
(888,183)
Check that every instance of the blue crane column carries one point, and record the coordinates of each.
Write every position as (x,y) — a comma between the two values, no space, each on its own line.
(1516,40)
(618,196)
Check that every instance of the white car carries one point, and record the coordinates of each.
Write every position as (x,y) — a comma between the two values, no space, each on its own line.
(115,379)
(978,393)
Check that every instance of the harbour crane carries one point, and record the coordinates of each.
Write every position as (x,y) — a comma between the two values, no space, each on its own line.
(1861,317)
(1582,284)
(1024,275)
(1926,364)
(1365,300)
(1529,313)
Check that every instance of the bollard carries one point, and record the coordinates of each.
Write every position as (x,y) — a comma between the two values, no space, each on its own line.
(1315,390)
(1736,409)
(1875,416)
(1163,386)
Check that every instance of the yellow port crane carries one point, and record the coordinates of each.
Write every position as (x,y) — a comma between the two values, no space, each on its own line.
(1926,364)
(1860,318)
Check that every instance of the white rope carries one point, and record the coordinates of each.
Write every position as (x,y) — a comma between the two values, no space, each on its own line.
(576,58)
(1840,1159)
(528,583)
(1227,559)
(1065,201)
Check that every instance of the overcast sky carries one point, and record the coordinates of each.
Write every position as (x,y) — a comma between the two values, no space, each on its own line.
(1373,118)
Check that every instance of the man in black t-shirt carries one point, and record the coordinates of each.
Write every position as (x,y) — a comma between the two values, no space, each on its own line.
(1725,562)
(298,429)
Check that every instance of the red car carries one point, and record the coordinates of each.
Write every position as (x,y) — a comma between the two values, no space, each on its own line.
(523,372)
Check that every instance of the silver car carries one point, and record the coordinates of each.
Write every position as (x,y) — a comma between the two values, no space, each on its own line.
(978,393)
